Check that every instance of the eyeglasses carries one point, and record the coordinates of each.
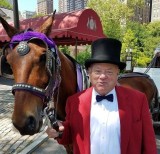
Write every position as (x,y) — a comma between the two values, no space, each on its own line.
(104,72)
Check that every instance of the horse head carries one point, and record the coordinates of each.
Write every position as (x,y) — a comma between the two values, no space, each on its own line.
(33,59)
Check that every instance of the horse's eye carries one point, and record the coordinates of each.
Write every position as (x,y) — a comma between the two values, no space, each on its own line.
(43,58)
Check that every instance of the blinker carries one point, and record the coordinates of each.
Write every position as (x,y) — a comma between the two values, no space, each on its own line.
(23,48)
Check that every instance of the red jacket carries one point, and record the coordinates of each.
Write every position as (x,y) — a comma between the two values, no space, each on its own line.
(137,134)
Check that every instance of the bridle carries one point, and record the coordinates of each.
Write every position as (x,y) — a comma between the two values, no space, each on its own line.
(53,64)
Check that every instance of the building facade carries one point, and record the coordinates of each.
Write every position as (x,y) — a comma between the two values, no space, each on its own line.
(27,14)
(62,6)
(148,13)
(155,10)
(142,14)
(71,5)
(44,7)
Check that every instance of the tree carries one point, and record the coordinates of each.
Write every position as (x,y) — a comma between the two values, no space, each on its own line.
(128,42)
(5,4)
(113,14)
(38,15)
(116,21)
(152,39)
(141,56)
(64,49)
(82,56)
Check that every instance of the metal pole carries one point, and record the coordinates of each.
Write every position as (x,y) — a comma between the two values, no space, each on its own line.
(150,14)
(16,14)
(76,48)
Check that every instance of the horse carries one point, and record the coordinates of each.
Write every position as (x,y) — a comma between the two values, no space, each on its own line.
(143,83)
(42,74)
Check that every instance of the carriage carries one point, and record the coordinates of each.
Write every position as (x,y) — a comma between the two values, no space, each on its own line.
(45,77)
(148,79)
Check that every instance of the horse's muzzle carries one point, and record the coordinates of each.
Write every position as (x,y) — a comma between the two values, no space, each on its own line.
(30,127)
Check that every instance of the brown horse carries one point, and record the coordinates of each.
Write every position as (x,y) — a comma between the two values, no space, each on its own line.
(143,82)
(40,71)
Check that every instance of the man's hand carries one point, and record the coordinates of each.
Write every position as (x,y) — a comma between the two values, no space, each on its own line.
(52,133)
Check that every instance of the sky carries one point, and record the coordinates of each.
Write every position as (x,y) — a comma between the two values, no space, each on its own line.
(31,5)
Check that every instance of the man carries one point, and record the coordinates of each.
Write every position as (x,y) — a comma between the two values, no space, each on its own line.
(107,118)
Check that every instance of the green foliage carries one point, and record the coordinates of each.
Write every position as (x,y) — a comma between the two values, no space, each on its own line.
(142,62)
(5,4)
(154,29)
(82,56)
(37,15)
(142,38)
(64,49)
(112,13)
(133,3)
(116,22)
(152,38)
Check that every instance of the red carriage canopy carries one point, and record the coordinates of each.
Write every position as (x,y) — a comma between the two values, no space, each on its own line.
(71,28)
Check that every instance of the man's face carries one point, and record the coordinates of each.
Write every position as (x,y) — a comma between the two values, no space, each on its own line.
(103,77)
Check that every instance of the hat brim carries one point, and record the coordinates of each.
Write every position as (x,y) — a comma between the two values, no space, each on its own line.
(88,62)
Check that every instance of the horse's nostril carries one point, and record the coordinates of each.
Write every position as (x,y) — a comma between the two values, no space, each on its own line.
(31,123)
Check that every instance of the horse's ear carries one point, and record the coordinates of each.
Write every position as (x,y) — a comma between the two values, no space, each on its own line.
(47,25)
(10,30)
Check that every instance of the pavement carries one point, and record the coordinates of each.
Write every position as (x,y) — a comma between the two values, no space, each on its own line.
(11,142)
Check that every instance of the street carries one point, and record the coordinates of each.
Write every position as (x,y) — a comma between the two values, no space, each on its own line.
(11,142)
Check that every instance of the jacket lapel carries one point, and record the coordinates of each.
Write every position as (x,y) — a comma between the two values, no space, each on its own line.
(125,118)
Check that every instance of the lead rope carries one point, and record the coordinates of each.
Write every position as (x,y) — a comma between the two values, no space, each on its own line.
(57,99)
(50,111)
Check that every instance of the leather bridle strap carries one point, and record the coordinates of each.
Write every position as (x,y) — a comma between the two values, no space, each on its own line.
(26,87)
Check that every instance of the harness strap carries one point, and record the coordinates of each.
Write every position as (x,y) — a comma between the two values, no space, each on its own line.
(37,91)
(53,66)
(152,64)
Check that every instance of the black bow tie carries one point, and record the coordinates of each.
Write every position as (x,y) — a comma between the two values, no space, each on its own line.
(108,97)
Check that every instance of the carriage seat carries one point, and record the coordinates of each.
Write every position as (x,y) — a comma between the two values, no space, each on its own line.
(82,77)
(133,74)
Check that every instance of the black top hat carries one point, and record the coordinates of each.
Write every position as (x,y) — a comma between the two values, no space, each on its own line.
(106,50)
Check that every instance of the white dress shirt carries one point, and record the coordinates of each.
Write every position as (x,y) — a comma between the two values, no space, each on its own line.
(104,125)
